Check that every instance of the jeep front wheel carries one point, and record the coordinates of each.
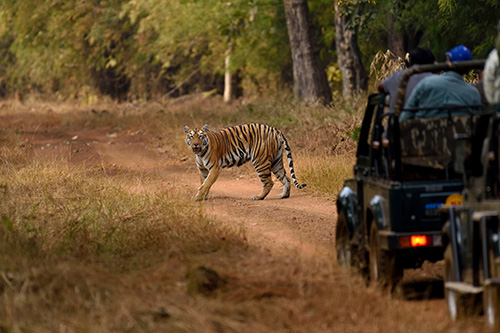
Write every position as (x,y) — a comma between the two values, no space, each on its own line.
(384,270)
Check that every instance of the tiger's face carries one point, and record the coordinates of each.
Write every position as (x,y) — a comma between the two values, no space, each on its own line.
(197,139)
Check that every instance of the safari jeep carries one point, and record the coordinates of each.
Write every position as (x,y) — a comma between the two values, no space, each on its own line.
(472,230)
(388,213)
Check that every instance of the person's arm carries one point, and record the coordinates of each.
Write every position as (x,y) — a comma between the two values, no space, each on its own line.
(412,102)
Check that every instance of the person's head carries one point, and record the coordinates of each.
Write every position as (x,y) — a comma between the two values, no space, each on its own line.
(458,53)
(420,56)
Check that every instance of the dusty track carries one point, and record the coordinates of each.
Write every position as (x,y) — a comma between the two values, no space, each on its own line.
(301,222)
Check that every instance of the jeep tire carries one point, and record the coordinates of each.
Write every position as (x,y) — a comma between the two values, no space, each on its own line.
(343,243)
(384,271)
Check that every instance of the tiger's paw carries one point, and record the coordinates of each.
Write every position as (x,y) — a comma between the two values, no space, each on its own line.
(200,197)
(284,196)
(255,197)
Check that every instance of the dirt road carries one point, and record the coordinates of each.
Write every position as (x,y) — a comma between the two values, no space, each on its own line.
(301,222)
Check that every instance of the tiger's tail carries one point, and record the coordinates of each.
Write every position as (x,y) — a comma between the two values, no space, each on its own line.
(288,152)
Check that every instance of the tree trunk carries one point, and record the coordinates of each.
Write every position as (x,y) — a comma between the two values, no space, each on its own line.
(354,76)
(309,76)
(400,42)
(395,40)
(227,78)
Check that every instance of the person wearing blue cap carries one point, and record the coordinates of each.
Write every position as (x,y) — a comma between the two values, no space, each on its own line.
(459,53)
(448,89)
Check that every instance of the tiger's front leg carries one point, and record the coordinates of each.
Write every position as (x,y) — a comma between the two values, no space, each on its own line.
(203,175)
(209,180)
(264,172)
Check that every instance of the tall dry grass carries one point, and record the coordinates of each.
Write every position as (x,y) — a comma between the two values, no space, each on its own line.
(81,250)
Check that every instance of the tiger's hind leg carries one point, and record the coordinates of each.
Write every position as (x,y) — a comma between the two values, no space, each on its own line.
(280,173)
(264,172)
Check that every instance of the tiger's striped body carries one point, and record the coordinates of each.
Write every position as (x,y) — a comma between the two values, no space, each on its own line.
(236,145)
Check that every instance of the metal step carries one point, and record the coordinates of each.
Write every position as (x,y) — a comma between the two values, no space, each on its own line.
(462,287)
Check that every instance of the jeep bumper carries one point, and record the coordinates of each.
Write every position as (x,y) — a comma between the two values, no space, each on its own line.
(394,241)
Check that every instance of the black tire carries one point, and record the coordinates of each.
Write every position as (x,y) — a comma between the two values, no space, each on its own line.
(384,270)
(343,243)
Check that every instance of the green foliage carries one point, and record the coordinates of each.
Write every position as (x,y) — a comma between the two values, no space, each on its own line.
(475,22)
(64,44)
(149,48)
(443,24)
(196,36)
(355,133)
(358,12)
(8,223)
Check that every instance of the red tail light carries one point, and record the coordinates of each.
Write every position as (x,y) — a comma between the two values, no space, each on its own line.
(418,240)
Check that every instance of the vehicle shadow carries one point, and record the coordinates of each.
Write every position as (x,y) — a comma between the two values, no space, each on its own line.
(421,289)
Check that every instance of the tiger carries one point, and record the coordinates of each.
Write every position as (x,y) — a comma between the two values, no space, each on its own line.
(236,145)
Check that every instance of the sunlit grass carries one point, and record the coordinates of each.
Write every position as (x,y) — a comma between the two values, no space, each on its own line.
(325,174)
(67,210)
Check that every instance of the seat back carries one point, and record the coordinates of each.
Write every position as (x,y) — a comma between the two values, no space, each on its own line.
(431,142)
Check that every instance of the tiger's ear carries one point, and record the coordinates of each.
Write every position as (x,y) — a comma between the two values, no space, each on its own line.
(205,128)
(186,129)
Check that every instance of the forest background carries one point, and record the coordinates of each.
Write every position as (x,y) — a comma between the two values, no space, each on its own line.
(149,49)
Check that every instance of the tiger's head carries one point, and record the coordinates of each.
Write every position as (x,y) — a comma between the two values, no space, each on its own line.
(197,139)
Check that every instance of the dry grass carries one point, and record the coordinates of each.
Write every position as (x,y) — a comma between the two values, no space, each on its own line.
(80,251)
(325,175)
(383,65)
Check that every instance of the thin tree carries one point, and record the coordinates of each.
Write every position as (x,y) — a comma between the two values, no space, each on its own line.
(309,76)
